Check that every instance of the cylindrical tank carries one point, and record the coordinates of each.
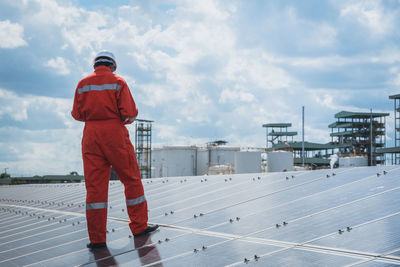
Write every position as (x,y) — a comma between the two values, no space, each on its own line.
(156,154)
(248,162)
(353,162)
(279,161)
(174,161)
(222,155)
(202,161)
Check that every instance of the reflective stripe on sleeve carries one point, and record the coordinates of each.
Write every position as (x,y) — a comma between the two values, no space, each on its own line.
(102,87)
(135,201)
(95,206)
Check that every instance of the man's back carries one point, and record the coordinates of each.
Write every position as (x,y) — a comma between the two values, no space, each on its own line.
(103,96)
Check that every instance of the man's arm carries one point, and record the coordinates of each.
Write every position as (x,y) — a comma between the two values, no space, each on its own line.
(126,104)
(75,109)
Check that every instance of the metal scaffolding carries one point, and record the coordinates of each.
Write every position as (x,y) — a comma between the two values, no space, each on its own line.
(396,156)
(143,146)
(277,133)
(363,132)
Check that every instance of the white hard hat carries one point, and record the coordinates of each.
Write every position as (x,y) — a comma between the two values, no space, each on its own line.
(105,56)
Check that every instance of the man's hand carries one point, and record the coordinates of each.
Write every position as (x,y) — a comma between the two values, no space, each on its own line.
(129,120)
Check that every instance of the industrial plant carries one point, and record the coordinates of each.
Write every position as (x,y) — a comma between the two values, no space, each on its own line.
(357,139)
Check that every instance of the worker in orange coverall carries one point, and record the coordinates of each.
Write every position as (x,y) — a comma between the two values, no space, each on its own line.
(103,101)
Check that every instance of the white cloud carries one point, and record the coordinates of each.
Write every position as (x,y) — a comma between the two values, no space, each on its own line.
(39,151)
(13,106)
(234,95)
(395,73)
(31,157)
(59,64)
(53,13)
(307,33)
(251,67)
(371,15)
(82,30)
(11,35)
(17,107)
(322,36)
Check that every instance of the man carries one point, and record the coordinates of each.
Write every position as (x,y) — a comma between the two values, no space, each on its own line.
(103,101)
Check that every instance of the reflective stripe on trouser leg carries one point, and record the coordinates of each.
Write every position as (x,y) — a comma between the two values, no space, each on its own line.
(138,218)
(95,206)
(135,201)
(96,217)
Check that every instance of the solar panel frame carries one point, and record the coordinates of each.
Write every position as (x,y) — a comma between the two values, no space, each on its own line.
(205,217)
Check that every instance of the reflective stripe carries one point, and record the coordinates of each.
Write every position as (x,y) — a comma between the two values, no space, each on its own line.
(135,201)
(102,87)
(104,60)
(95,206)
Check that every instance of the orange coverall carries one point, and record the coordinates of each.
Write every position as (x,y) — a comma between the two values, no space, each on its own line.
(103,101)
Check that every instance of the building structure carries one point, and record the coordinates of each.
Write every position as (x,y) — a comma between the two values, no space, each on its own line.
(174,161)
(247,162)
(316,154)
(143,146)
(280,161)
(170,161)
(277,133)
(360,133)
(394,152)
(73,177)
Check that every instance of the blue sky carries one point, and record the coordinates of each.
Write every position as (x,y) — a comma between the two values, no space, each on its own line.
(202,70)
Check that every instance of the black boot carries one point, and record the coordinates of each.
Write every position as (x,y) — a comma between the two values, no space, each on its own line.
(148,230)
(96,245)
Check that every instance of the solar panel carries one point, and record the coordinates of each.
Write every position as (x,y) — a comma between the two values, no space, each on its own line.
(340,217)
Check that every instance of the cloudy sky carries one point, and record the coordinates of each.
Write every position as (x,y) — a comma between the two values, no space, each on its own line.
(202,70)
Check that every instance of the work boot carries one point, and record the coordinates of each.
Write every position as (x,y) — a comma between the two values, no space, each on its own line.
(148,230)
(96,245)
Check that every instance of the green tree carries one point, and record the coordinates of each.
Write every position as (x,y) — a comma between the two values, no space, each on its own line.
(5,175)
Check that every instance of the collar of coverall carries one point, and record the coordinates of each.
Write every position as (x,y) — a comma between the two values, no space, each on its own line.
(102,68)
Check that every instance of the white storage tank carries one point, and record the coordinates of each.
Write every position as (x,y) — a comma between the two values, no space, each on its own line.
(353,162)
(279,161)
(174,161)
(248,162)
(202,161)
(156,155)
(222,155)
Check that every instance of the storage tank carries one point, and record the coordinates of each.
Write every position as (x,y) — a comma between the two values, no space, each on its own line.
(202,161)
(279,161)
(174,161)
(353,162)
(222,155)
(247,162)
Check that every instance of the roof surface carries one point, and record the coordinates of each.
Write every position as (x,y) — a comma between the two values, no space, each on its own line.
(341,125)
(282,133)
(321,218)
(355,124)
(348,114)
(144,120)
(277,125)
(394,96)
(388,150)
(309,146)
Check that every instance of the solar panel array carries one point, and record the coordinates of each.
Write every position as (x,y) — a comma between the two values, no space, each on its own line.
(340,217)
